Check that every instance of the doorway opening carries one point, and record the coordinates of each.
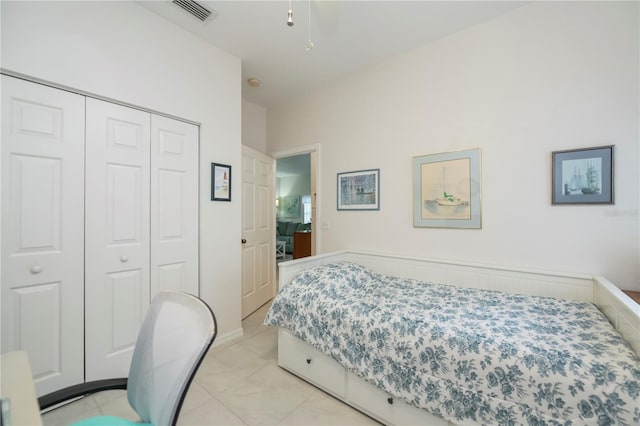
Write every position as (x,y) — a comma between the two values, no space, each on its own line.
(296,203)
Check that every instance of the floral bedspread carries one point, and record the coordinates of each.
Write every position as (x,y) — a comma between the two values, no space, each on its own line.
(469,356)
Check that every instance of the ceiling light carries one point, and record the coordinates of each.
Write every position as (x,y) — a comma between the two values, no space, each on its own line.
(309,45)
(290,16)
(253,82)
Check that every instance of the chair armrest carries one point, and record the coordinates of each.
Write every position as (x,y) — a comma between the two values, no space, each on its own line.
(81,389)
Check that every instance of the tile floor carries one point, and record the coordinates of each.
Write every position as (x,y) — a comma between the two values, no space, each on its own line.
(238,383)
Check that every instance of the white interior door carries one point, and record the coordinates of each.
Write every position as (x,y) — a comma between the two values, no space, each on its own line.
(174,206)
(43,230)
(117,235)
(258,248)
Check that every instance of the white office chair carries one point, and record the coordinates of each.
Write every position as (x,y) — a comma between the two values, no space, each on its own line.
(175,336)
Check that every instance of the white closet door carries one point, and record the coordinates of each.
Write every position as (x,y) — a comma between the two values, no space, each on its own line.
(42,230)
(117,235)
(174,206)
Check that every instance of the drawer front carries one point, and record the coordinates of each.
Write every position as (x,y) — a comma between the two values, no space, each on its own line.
(367,397)
(383,406)
(310,364)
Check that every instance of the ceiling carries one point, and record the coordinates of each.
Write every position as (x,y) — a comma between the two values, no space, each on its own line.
(348,35)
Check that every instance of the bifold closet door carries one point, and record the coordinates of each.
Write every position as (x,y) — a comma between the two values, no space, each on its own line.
(43,230)
(117,235)
(174,205)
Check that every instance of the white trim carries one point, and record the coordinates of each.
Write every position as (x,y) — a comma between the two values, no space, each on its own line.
(43,82)
(228,337)
(315,187)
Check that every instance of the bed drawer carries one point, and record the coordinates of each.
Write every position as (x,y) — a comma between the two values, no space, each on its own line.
(367,397)
(313,365)
(383,406)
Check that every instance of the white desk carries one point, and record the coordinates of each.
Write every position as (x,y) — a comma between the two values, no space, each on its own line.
(17,386)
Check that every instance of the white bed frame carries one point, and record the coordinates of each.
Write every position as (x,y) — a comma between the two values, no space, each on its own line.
(322,371)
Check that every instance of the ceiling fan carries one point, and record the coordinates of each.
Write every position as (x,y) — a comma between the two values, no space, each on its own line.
(326,12)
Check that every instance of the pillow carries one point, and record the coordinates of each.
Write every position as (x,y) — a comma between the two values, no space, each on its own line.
(282,227)
(341,273)
(291,228)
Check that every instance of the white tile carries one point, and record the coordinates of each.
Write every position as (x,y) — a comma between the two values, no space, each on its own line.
(221,370)
(196,395)
(209,412)
(254,323)
(106,396)
(321,409)
(267,396)
(263,344)
(73,412)
(119,407)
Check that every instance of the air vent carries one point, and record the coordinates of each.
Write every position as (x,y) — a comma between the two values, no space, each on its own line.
(196,9)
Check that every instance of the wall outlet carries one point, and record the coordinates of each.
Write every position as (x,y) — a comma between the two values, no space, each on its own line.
(325,225)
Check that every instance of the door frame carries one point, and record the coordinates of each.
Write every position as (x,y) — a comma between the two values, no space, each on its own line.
(316,199)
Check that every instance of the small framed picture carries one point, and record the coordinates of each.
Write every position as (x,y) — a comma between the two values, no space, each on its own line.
(582,176)
(289,207)
(359,190)
(220,182)
(446,190)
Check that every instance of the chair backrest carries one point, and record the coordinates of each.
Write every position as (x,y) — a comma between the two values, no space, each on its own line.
(175,335)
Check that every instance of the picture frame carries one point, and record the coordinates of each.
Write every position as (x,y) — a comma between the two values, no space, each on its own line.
(289,207)
(220,182)
(358,190)
(582,176)
(447,190)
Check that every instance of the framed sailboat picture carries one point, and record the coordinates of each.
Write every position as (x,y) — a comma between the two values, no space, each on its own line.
(446,190)
(582,176)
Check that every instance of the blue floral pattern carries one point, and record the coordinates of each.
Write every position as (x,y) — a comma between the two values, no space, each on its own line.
(466,355)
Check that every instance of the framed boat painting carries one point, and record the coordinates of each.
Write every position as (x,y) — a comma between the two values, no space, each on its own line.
(446,190)
(582,176)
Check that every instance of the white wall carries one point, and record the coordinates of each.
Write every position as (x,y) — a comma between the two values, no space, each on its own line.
(254,126)
(122,51)
(545,77)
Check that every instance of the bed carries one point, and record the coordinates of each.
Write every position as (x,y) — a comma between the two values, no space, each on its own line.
(417,341)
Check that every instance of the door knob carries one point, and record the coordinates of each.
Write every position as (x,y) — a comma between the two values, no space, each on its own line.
(36,269)
(244,241)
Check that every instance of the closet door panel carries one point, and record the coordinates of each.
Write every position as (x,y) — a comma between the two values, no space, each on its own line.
(117,235)
(174,206)
(39,301)
(43,230)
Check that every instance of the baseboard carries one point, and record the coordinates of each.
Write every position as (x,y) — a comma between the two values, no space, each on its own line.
(228,337)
